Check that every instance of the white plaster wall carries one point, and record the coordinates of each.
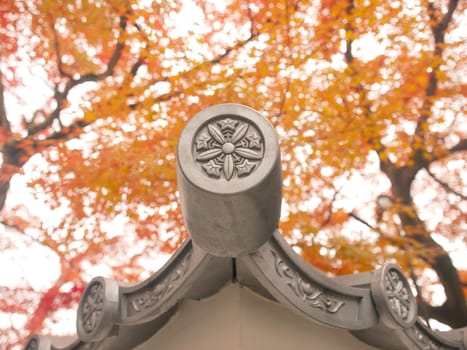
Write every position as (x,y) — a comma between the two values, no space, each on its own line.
(237,319)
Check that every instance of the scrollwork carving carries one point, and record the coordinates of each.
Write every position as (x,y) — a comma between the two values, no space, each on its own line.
(156,294)
(305,290)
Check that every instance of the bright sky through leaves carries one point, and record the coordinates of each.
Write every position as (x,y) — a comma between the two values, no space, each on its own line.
(368,99)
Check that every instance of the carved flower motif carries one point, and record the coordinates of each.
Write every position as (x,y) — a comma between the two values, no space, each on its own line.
(156,294)
(398,295)
(313,295)
(93,307)
(228,146)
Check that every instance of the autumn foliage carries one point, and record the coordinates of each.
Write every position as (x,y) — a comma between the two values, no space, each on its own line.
(368,99)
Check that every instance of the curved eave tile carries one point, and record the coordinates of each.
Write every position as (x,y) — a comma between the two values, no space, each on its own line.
(106,305)
(109,311)
(306,290)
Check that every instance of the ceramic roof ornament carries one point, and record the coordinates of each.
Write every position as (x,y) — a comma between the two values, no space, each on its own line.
(98,309)
(229,177)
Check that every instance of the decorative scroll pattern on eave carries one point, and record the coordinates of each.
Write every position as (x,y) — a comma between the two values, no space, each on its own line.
(313,295)
(306,290)
(157,292)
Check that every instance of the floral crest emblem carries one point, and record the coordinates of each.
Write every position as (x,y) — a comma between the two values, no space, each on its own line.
(398,295)
(228,147)
(93,307)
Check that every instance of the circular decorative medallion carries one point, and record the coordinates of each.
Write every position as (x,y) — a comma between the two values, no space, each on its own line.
(393,297)
(398,294)
(98,309)
(228,147)
(93,304)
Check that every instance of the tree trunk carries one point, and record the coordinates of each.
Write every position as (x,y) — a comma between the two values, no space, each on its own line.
(14,157)
(454,311)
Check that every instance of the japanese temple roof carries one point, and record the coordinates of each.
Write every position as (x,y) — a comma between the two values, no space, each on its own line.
(229,177)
